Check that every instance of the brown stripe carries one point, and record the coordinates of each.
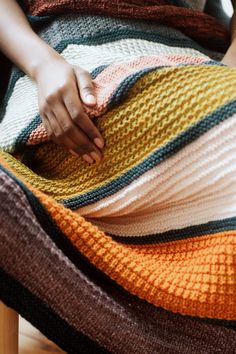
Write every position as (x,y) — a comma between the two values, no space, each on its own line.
(120,324)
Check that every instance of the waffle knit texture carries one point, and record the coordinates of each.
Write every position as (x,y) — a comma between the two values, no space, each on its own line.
(155,220)
(77,306)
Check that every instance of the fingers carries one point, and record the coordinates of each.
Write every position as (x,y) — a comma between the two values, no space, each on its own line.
(80,118)
(85,86)
(63,131)
(63,115)
(81,144)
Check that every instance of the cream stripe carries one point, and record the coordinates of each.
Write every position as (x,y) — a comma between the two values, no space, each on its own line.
(195,186)
(173,218)
(90,57)
(170,169)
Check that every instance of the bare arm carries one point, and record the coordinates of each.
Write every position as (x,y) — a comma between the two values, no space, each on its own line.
(230,56)
(19,42)
(61,87)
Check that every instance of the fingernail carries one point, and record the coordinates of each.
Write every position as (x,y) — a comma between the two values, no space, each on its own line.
(90,99)
(95,156)
(99,142)
(88,158)
(74,153)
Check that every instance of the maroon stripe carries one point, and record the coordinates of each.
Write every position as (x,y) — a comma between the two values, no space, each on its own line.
(196,24)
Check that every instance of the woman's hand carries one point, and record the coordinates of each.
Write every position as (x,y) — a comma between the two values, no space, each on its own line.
(61,90)
(61,86)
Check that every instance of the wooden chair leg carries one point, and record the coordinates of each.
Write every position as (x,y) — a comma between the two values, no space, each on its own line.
(9,323)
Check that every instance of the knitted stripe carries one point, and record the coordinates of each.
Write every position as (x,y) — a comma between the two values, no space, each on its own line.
(211,227)
(28,109)
(158,130)
(139,321)
(200,178)
(109,84)
(196,24)
(175,275)
(196,4)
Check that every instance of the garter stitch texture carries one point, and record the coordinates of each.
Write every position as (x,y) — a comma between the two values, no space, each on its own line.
(148,236)
(198,25)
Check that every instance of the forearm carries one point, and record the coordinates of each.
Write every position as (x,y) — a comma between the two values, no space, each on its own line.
(233,23)
(61,86)
(230,56)
(19,42)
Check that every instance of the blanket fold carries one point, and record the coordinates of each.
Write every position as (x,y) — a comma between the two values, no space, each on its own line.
(51,284)
(124,251)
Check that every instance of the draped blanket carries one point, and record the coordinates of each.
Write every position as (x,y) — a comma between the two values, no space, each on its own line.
(136,254)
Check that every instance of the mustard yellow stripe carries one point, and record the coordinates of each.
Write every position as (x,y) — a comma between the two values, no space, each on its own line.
(158,108)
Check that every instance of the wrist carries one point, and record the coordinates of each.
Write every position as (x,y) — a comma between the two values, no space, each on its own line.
(230,56)
(41,54)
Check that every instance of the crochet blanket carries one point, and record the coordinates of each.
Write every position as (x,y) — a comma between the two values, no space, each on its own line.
(135,254)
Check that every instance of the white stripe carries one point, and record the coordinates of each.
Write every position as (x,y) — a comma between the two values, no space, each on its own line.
(90,57)
(195,186)
(23,103)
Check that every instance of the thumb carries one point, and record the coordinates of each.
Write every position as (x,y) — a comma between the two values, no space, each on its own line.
(85,85)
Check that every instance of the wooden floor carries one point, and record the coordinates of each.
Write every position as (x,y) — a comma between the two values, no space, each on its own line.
(31,341)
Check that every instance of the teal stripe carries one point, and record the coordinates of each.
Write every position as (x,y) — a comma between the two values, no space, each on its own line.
(103,39)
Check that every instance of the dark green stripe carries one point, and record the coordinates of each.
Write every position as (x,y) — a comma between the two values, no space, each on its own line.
(117,97)
(98,71)
(172,147)
(117,34)
(121,91)
(211,227)
(81,262)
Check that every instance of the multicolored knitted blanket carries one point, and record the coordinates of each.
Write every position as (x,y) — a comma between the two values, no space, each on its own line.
(136,254)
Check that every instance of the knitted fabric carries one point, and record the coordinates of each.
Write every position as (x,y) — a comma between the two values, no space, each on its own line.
(57,286)
(158,215)
(177,13)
